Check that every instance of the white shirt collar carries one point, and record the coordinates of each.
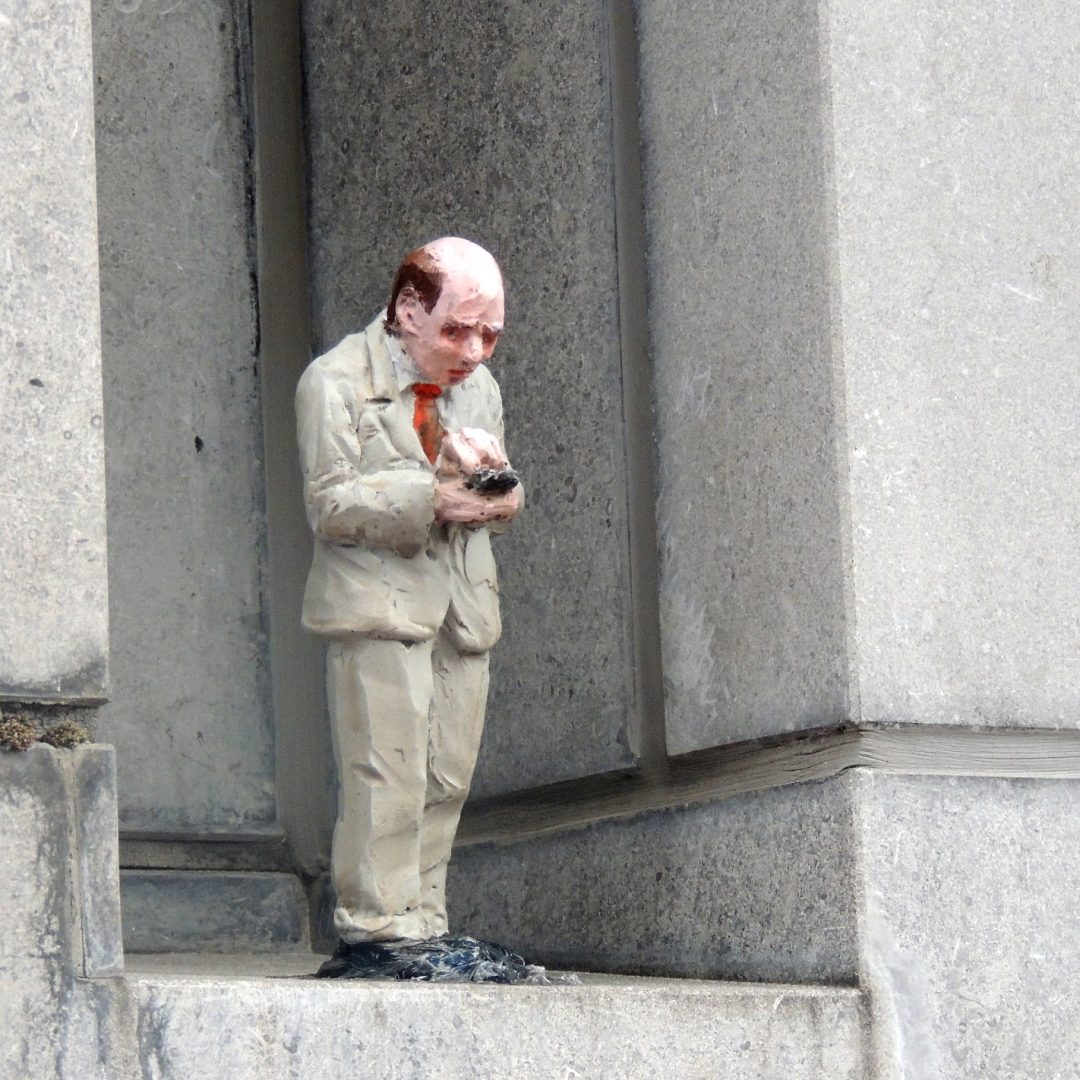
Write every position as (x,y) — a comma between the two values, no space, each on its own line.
(405,371)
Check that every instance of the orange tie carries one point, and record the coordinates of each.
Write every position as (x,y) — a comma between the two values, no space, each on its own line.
(426,418)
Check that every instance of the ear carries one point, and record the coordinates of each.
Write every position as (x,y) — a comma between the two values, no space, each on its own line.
(409,310)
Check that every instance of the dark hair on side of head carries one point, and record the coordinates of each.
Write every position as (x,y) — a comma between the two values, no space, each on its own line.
(418,275)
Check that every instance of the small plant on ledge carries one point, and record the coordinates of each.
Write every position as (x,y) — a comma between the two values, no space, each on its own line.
(66,734)
(18,732)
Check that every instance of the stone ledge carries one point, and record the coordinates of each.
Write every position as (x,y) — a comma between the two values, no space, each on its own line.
(758,765)
(205,1016)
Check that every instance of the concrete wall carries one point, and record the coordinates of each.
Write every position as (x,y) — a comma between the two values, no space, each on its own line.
(969,929)
(762,886)
(957,259)
(735,158)
(53,584)
(948,898)
(190,713)
(867,390)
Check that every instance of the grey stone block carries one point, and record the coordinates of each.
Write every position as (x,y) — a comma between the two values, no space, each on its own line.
(56,1027)
(97,1034)
(957,259)
(734,141)
(969,935)
(190,712)
(35,851)
(761,886)
(190,911)
(495,123)
(234,1026)
(58,896)
(29,1017)
(58,841)
(53,588)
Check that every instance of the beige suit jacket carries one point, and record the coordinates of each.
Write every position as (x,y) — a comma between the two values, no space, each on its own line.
(382,567)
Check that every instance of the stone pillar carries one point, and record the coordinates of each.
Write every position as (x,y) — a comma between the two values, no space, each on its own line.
(956,257)
(866,402)
(53,586)
(954,266)
(752,589)
(58,825)
(190,714)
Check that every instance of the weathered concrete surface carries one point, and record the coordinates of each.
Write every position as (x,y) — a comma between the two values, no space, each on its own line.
(29,1017)
(36,855)
(738,219)
(761,886)
(957,277)
(969,929)
(53,581)
(60,910)
(188,911)
(889,195)
(951,900)
(232,1027)
(58,844)
(494,123)
(190,711)
(92,772)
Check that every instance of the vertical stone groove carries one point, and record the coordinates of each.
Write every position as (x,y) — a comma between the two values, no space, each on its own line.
(637,388)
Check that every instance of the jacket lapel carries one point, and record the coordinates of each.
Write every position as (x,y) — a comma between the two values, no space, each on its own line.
(395,414)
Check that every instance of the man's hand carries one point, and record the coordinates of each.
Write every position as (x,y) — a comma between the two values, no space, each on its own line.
(463,452)
(471,449)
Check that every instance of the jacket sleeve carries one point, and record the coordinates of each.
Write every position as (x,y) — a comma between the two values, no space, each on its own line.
(495,426)
(392,506)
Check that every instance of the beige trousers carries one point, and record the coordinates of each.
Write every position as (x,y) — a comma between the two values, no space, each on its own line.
(406,720)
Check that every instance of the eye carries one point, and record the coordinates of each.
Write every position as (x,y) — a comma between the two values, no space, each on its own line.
(452,333)
(490,337)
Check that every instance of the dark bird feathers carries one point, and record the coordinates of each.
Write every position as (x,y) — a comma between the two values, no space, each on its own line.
(441,959)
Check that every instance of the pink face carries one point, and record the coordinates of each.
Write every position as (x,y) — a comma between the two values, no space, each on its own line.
(461,331)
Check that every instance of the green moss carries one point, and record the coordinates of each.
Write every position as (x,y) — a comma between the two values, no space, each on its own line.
(66,733)
(17,733)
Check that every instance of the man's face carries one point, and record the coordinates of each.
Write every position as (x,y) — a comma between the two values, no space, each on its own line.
(459,334)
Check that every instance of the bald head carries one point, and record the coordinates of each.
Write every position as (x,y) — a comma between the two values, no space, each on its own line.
(424,271)
(461,257)
(447,308)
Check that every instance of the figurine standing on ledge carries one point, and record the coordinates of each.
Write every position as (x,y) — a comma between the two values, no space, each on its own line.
(400,433)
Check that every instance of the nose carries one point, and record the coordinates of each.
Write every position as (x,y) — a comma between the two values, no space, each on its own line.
(474,350)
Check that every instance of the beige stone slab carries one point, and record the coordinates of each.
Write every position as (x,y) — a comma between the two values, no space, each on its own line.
(199,1014)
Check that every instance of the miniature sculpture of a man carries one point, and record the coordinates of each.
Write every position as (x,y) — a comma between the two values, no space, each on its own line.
(395,425)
